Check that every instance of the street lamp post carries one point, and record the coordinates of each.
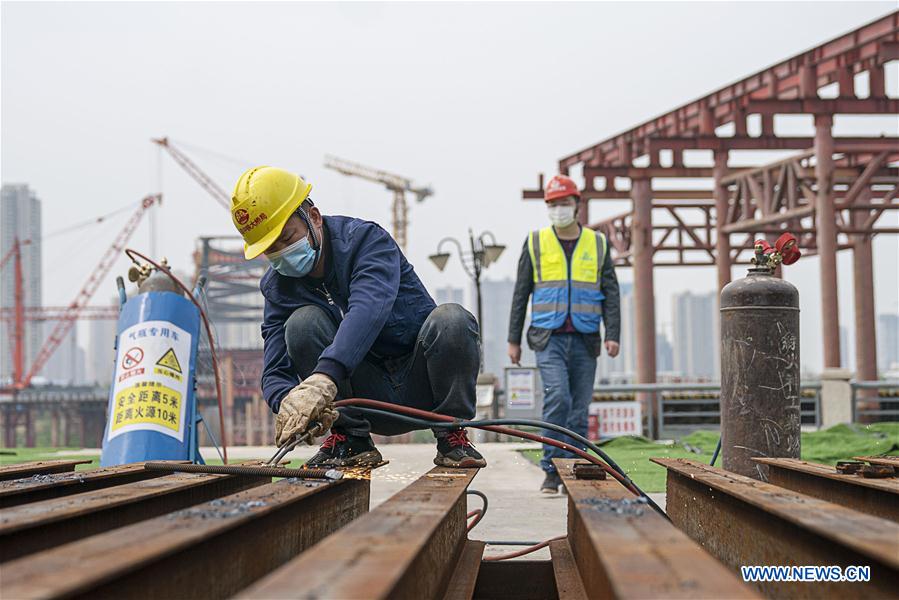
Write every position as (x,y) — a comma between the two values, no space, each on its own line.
(480,256)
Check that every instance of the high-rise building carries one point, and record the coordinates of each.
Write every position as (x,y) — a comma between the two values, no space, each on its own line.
(100,356)
(449,295)
(62,367)
(496,297)
(624,366)
(847,348)
(664,354)
(20,218)
(888,342)
(695,344)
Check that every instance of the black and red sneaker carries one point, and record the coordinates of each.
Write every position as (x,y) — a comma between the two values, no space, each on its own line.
(340,450)
(455,450)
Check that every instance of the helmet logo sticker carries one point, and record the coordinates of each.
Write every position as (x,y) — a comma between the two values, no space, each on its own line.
(241,216)
(252,224)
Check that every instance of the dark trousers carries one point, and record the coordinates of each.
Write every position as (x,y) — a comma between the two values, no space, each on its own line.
(439,374)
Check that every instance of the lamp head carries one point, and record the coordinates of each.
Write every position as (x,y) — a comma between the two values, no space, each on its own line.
(492,252)
(439,260)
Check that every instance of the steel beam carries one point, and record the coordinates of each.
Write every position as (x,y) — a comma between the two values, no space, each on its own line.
(864,49)
(614,194)
(878,497)
(624,549)
(769,142)
(825,219)
(44,487)
(863,289)
(407,547)
(568,579)
(828,107)
(722,238)
(210,550)
(745,522)
(40,467)
(464,579)
(29,528)
(642,252)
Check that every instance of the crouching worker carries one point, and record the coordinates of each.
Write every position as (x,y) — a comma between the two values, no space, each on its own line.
(346,316)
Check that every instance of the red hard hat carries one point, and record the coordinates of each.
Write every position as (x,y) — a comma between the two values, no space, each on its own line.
(560,187)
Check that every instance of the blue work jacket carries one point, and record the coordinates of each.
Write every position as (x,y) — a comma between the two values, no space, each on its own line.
(370,291)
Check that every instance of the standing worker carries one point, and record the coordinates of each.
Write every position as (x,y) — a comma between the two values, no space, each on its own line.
(346,316)
(568,270)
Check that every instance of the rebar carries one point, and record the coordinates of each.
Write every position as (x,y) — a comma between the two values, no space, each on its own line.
(257,470)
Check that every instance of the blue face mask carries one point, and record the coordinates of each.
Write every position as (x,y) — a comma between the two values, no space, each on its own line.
(297,260)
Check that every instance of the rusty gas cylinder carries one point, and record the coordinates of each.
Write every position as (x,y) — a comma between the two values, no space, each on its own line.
(759,369)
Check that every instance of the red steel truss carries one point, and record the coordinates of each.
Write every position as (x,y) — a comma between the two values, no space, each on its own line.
(831,193)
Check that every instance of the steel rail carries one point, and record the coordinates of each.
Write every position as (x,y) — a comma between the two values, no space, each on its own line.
(878,497)
(33,527)
(407,547)
(623,549)
(209,550)
(40,467)
(56,485)
(743,521)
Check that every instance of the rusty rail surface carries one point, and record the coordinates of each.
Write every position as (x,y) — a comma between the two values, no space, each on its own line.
(210,550)
(878,497)
(568,579)
(406,548)
(743,521)
(462,584)
(56,485)
(624,549)
(29,528)
(39,467)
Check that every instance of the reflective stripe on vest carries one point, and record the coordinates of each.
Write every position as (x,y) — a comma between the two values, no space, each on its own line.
(560,288)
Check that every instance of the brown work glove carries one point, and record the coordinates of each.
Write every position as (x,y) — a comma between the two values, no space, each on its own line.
(311,401)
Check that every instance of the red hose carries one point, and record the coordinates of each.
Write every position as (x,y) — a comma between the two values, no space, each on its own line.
(478,514)
(424,414)
(523,551)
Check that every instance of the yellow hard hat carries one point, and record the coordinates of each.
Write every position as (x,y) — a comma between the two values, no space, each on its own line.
(263,200)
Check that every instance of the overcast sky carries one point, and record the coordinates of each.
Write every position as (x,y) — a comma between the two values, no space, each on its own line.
(473,99)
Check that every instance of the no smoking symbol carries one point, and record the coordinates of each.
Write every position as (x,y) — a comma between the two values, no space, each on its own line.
(132,358)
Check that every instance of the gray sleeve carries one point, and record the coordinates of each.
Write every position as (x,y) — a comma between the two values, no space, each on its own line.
(612,304)
(524,285)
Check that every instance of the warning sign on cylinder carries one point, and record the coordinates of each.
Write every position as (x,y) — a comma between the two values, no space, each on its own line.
(169,360)
(133,357)
(147,402)
(154,398)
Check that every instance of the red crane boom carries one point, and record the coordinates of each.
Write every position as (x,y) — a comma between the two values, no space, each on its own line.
(73,310)
(220,195)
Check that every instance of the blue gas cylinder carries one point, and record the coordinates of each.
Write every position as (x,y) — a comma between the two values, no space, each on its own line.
(152,408)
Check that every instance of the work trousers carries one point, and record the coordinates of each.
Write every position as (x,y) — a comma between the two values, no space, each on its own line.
(439,375)
(568,369)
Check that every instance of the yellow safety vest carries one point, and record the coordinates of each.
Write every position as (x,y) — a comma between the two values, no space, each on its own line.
(561,288)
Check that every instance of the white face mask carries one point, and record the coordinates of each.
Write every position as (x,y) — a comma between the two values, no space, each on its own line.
(561,216)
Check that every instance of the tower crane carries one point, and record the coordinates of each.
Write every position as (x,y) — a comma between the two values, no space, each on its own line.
(205,181)
(395,183)
(74,310)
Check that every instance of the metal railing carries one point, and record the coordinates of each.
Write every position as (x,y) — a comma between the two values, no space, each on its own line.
(679,415)
(876,406)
